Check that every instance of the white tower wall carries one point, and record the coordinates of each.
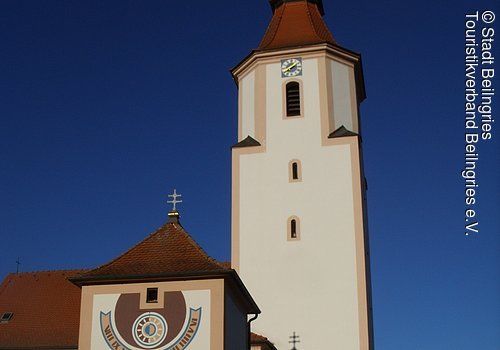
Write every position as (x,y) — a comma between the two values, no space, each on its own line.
(314,285)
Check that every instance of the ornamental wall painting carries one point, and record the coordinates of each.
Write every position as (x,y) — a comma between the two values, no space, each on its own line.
(119,323)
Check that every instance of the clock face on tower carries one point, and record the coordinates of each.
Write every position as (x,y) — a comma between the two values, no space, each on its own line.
(291,67)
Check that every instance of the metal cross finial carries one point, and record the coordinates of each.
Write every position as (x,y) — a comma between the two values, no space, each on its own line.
(18,263)
(294,341)
(174,201)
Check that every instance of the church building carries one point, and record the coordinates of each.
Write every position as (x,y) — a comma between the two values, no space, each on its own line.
(299,275)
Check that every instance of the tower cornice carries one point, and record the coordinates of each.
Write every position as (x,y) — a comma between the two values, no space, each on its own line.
(335,51)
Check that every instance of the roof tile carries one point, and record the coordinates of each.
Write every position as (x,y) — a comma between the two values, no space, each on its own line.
(169,250)
(46,309)
(263,342)
(296,23)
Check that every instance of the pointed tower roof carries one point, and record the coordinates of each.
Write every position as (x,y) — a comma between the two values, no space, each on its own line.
(168,251)
(296,23)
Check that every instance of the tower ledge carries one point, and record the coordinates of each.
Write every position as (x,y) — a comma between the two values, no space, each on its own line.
(333,50)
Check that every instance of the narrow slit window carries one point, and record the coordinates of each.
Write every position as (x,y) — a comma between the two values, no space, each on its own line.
(292,99)
(152,295)
(295,171)
(293,229)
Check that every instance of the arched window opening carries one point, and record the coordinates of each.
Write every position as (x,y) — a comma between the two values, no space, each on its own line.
(292,99)
(295,171)
(293,229)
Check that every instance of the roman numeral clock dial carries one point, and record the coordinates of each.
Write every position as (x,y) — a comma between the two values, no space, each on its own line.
(291,67)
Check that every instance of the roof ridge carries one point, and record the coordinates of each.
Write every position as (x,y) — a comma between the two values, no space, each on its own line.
(309,16)
(169,249)
(12,276)
(321,26)
(276,24)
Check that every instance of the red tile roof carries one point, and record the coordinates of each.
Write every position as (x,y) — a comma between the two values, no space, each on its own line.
(254,337)
(46,309)
(257,339)
(225,264)
(169,250)
(296,23)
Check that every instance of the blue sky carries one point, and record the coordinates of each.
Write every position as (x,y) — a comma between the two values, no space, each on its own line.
(106,106)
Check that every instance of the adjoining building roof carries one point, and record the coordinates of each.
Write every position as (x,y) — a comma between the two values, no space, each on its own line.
(169,250)
(296,23)
(226,264)
(45,307)
(261,341)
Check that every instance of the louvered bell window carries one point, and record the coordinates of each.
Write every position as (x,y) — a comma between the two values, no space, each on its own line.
(292,99)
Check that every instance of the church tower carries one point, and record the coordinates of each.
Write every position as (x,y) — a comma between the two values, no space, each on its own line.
(299,231)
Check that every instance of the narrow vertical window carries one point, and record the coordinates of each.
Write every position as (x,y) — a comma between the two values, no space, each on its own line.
(292,99)
(294,171)
(293,229)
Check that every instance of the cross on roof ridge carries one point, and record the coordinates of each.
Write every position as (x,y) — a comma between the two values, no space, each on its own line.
(294,341)
(174,201)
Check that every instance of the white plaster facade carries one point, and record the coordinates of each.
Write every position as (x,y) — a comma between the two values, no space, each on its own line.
(315,285)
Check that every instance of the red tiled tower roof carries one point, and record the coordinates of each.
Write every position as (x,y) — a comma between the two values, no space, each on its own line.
(296,23)
(169,250)
(45,307)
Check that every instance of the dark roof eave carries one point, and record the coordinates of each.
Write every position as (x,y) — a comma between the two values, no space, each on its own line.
(328,43)
(111,279)
(229,275)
